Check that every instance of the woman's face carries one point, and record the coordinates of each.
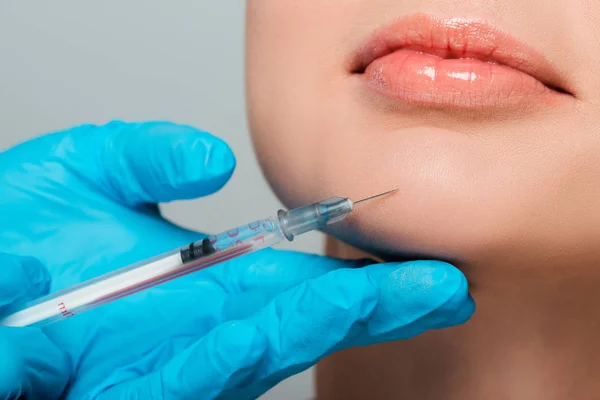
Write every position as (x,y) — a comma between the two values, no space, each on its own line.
(484,114)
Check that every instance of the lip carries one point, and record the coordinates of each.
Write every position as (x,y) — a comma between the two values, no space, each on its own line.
(455,62)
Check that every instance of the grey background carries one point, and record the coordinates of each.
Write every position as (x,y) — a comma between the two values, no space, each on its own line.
(69,62)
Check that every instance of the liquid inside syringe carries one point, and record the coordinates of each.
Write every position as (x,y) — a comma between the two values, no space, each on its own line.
(196,256)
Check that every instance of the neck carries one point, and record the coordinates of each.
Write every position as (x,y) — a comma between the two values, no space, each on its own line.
(533,336)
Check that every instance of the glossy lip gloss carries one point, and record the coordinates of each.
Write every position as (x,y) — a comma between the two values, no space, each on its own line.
(456,63)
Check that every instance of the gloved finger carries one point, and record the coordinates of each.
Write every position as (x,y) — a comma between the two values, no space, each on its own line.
(356,307)
(223,359)
(273,271)
(300,326)
(21,279)
(445,286)
(153,162)
(238,288)
(250,282)
(31,366)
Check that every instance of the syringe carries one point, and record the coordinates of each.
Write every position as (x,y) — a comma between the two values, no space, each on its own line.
(173,264)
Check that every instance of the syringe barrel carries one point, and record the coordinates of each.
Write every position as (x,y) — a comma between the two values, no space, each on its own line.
(315,216)
(168,266)
(145,274)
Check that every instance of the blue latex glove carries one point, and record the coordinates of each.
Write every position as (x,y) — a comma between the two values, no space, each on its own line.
(31,366)
(83,202)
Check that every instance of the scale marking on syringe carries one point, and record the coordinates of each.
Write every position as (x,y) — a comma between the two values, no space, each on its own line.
(64,311)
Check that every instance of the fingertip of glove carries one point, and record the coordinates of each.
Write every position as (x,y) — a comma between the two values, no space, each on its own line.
(418,294)
(438,276)
(202,158)
(155,161)
(194,154)
(448,288)
(214,151)
(451,284)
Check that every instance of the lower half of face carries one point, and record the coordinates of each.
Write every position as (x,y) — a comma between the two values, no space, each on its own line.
(485,117)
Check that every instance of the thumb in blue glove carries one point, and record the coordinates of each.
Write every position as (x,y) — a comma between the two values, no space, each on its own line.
(31,366)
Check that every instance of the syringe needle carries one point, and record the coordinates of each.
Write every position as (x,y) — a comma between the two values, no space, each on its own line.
(376,196)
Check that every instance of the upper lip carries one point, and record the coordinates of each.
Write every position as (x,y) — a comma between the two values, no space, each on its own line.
(457,38)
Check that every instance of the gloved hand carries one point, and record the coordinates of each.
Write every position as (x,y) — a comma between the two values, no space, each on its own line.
(31,366)
(83,202)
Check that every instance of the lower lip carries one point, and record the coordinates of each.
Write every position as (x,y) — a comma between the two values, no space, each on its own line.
(415,77)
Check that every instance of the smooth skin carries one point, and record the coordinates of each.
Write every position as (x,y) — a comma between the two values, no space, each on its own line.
(511,195)
(84,201)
